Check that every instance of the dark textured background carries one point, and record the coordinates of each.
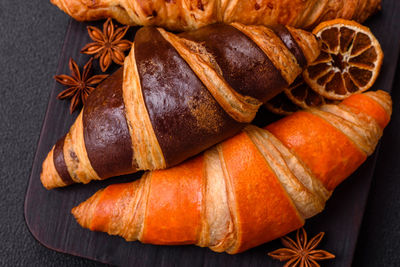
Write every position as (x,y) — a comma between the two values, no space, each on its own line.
(31,37)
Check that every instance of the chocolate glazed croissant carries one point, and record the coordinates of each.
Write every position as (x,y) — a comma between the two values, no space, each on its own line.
(250,189)
(175,97)
(192,14)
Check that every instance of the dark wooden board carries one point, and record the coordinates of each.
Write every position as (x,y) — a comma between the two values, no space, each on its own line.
(48,217)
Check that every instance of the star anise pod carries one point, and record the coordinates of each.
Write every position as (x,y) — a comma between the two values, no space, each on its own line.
(107,45)
(79,86)
(301,253)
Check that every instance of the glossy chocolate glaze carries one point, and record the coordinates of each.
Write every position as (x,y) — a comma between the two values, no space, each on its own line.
(244,65)
(59,162)
(185,117)
(105,130)
(291,43)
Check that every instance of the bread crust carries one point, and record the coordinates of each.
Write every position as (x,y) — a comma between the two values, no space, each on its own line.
(250,189)
(176,96)
(192,14)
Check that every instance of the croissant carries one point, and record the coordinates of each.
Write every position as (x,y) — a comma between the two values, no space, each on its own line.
(192,14)
(250,189)
(175,97)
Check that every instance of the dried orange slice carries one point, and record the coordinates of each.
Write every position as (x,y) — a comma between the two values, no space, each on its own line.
(301,94)
(349,62)
(281,105)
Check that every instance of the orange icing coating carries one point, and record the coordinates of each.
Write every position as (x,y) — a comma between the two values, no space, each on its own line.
(362,103)
(329,153)
(263,209)
(106,204)
(175,204)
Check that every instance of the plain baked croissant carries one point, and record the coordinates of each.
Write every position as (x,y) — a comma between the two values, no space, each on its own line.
(193,14)
(175,97)
(250,189)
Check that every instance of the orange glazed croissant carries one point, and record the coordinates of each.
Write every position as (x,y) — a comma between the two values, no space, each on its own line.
(176,96)
(193,14)
(252,188)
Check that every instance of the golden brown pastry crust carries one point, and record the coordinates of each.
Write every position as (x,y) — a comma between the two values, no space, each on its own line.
(247,190)
(241,108)
(148,154)
(52,179)
(209,107)
(273,46)
(193,14)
